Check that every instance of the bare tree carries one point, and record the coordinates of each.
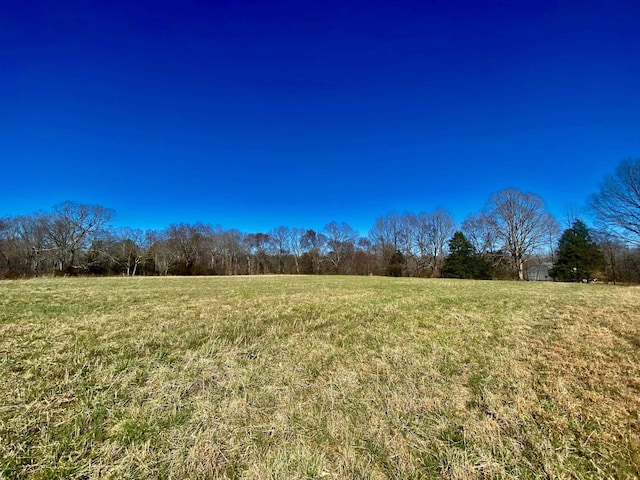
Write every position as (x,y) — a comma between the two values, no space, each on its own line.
(478,230)
(279,241)
(296,245)
(127,249)
(255,245)
(617,204)
(314,243)
(341,238)
(71,226)
(387,232)
(32,230)
(390,235)
(364,257)
(188,245)
(428,233)
(159,250)
(21,245)
(232,250)
(7,245)
(520,222)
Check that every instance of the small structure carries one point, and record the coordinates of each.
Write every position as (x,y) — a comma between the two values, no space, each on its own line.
(539,272)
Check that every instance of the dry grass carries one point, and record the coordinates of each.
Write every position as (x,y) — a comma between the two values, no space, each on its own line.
(318,377)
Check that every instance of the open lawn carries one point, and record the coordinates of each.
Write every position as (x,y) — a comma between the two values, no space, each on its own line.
(318,377)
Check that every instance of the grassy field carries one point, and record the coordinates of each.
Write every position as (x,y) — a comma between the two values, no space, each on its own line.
(318,377)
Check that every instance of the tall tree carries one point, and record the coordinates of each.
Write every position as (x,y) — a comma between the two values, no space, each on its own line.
(478,230)
(388,235)
(463,260)
(341,238)
(279,241)
(521,223)
(364,258)
(578,255)
(7,247)
(434,229)
(315,245)
(32,231)
(71,226)
(159,250)
(127,251)
(296,245)
(396,265)
(617,204)
(614,251)
(188,246)
(232,249)
(256,247)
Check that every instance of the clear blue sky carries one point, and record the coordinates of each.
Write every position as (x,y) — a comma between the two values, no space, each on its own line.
(255,114)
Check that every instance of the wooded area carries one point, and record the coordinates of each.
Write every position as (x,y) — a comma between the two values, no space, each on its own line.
(513,231)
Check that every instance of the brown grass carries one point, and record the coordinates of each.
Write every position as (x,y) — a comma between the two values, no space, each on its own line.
(318,377)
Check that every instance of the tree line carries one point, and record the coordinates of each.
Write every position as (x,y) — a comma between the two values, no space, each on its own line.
(512,232)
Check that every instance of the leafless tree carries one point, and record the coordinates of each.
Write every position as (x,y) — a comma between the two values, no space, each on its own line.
(279,241)
(185,242)
(478,230)
(432,230)
(255,245)
(232,242)
(71,225)
(341,238)
(315,244)
(127,249)
(387,232)
(21,245)
(7,244)
(520,222)
(616,206)
(365,259)
(159,250)
(296,245)
(390,235)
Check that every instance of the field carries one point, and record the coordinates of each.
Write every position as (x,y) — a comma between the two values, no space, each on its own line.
(318,377)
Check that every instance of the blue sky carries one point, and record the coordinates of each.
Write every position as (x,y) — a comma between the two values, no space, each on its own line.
(255,114)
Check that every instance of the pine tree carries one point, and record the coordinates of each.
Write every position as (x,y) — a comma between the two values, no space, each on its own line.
(463,261)
(578,255)
(396,265)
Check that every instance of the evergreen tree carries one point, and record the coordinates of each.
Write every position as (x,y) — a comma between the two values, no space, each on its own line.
(396,265)
(463,261)
(578,255)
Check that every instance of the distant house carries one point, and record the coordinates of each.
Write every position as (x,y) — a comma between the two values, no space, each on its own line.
(539,272)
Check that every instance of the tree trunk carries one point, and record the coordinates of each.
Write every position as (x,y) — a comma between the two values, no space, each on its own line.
(520,270)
